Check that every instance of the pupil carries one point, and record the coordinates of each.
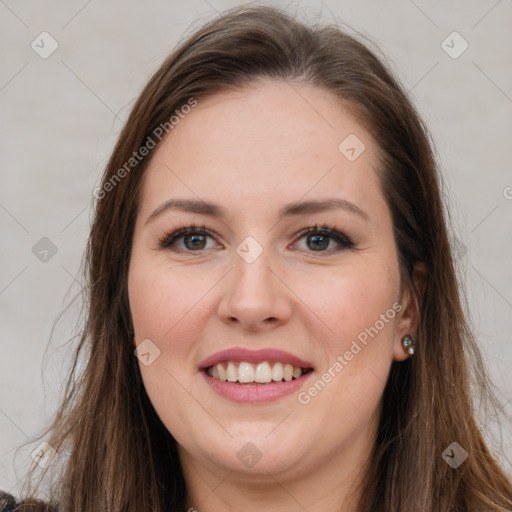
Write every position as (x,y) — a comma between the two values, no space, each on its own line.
(196,240)
(324,241)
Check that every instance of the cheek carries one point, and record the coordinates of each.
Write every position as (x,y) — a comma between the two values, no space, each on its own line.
(344,305)
(170,307)
(352,303)
(162,297)
(360,308)
(164,303)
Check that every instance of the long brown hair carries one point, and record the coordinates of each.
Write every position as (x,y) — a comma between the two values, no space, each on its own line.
(119,455)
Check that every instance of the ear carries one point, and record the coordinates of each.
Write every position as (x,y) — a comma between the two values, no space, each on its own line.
(408,318)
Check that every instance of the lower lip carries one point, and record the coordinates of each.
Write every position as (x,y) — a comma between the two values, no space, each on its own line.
(255,393)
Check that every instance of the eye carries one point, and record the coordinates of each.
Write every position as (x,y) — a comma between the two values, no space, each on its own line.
(193,239)
(318,239)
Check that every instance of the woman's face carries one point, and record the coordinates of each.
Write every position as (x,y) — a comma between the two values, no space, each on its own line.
(258,295)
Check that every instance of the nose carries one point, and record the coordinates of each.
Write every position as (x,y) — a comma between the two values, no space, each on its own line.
(254,296)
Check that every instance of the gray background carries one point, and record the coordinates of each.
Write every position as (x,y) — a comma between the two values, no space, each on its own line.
(61,115)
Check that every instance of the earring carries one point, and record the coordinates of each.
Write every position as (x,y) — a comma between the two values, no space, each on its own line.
(408,344)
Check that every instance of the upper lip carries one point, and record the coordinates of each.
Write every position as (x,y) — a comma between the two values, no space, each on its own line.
(254,356)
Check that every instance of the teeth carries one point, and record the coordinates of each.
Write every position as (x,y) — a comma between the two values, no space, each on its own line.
(288,372)
(261,373)
(245,372)
(222,372)
(232,372)
(277,372)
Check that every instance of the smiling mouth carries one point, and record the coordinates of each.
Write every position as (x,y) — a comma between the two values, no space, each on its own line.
(241,372)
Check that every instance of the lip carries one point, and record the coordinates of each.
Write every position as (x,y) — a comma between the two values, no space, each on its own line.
(256,393)
(254,356)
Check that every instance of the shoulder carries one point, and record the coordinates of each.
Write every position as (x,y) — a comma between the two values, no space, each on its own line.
(9,504)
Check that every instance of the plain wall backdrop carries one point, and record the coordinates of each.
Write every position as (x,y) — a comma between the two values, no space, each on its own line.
(61,113)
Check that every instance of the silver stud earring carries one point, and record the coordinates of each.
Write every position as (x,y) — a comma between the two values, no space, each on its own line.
(408,344)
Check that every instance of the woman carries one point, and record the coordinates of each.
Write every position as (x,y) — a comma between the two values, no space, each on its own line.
(270,239)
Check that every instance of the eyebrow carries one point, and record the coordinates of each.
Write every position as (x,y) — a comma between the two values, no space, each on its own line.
(290,209)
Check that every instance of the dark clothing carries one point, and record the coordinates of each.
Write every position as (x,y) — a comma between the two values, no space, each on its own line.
(9,504)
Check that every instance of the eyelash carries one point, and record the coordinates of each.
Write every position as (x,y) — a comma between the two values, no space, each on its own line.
(343,240)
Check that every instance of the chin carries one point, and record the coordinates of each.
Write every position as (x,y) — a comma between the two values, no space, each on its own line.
(256,449)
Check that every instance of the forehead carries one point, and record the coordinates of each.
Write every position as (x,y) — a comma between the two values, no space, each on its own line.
(270,142)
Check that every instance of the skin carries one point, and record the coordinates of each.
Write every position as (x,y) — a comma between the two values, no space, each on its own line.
(252,151)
